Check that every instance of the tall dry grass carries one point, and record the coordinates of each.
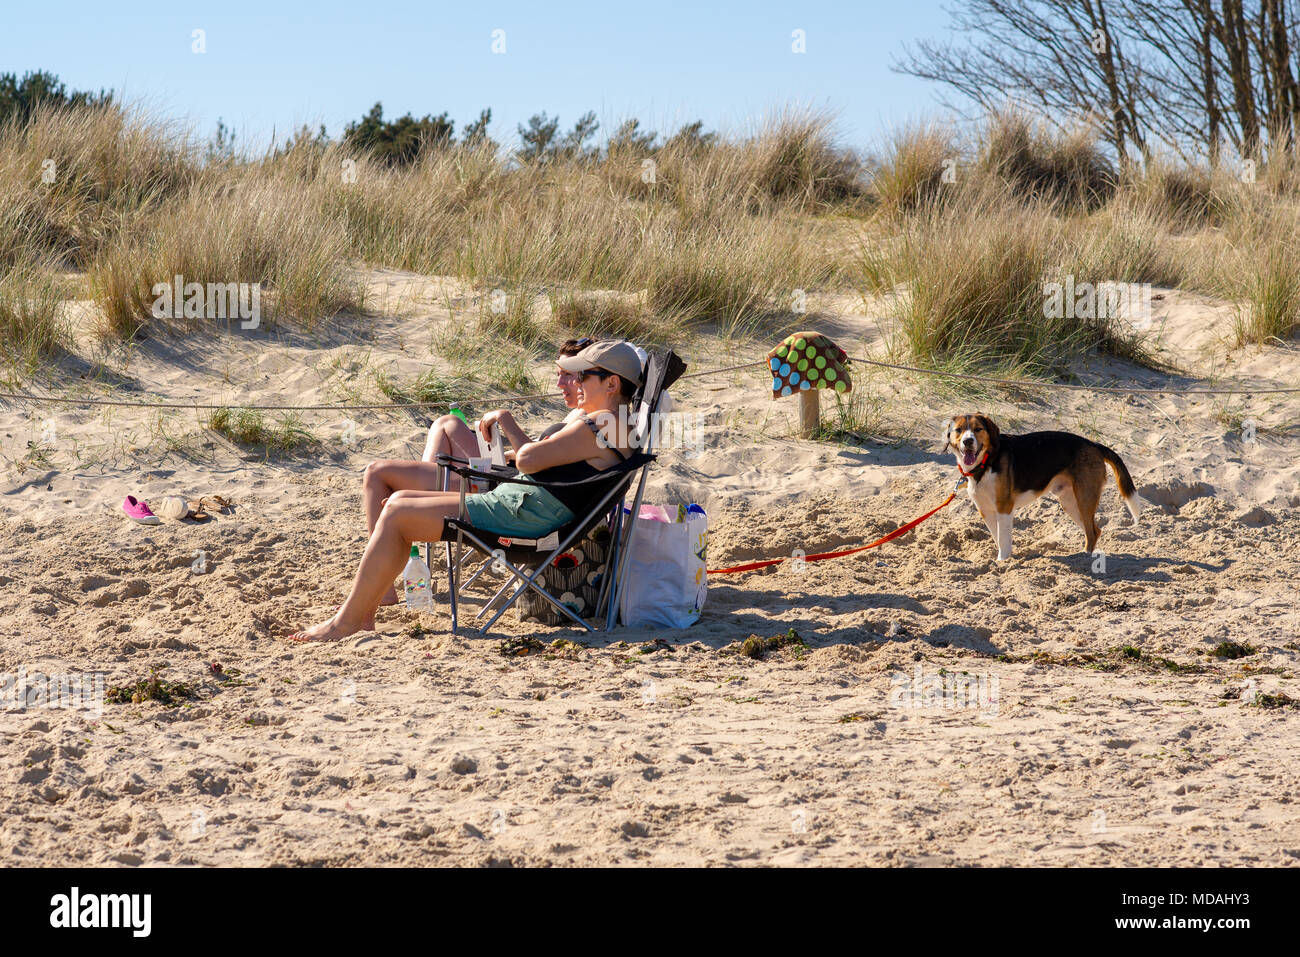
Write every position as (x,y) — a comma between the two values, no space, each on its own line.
(921,160)
(72,178)
(973,275)
(250,231)
(1258,268)
(1067,170)
(651,242)
(33,328)
(1029,206)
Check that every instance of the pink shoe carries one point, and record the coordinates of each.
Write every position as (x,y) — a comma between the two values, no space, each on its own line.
(138,511)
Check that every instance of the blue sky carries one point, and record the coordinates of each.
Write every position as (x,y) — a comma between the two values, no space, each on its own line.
(275,66)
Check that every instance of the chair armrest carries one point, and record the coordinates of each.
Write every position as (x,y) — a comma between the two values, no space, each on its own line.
(496,473)
(632,464)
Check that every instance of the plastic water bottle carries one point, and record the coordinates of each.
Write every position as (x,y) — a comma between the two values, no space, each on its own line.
(415,581)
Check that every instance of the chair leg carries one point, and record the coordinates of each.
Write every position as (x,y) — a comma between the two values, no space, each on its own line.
(492,601)
(530,581)
(452,567)
(611,562)
(477,572)
(626,548)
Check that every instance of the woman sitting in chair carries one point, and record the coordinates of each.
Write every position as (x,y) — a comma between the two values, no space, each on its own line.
(450,435)
(608,373)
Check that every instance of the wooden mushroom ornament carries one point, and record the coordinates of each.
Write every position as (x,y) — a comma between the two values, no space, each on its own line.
(805,363)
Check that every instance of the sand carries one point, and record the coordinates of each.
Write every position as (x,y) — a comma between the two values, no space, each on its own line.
(1088,722)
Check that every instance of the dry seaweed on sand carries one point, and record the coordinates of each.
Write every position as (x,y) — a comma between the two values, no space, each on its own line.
(153,688)
(1279,700)
(564,648)
(1232,649)
(229,677)
(519,646)
(1114,659)
(759,648)
(658,644)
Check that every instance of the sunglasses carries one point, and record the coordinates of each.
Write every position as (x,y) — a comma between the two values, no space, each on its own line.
(584,342)
(601,373)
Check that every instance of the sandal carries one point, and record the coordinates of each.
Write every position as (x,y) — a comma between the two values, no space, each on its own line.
(218,503)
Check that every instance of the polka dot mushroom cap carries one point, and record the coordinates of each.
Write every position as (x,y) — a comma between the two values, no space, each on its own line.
(808,360)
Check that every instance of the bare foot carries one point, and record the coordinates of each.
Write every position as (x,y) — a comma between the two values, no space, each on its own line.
(390,597)
(332,630)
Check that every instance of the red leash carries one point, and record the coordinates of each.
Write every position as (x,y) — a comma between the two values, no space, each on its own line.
(861,548)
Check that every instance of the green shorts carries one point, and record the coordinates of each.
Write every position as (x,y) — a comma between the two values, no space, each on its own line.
(519,511)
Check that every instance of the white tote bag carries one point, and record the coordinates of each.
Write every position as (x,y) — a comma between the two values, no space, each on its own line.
(664,583)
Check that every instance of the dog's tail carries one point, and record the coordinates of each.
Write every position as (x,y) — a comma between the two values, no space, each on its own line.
(1125,481)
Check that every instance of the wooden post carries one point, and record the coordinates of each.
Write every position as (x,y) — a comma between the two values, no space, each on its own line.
(809,412)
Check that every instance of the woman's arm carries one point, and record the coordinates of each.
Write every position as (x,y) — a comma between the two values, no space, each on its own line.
(573,443)
(505,422)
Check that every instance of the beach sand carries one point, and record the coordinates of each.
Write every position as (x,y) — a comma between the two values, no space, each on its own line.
(1087,721)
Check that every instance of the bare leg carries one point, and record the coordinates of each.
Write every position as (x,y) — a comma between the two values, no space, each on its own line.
(387,476)
(384,478)
(448,434)
(405,519)
(451,436)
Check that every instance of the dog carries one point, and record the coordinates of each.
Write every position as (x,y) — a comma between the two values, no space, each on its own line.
(1006,472)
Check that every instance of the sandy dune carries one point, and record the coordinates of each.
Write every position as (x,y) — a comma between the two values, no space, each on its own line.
(1094,725)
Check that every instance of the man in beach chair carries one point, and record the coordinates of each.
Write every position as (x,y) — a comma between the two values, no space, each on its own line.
(565,482)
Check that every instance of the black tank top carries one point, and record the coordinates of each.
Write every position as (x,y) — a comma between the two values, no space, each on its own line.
(577,498)
(551,430)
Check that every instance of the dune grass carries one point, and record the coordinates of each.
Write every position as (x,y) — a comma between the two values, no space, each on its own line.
(974,292)
(1267,288)
(920,161)
(651,242)
(719,234)
(428,387)
(252,427)
(251,233)
(32,326)
(1065,170)
(975,275)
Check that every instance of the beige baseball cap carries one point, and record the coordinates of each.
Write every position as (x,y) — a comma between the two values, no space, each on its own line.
(613,355)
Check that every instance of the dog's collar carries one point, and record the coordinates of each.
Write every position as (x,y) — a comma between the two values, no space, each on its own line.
(977,472)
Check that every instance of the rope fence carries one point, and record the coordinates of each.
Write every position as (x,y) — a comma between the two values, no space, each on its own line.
(992,380)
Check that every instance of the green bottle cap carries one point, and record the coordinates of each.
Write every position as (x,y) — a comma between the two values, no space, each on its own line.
(415,551)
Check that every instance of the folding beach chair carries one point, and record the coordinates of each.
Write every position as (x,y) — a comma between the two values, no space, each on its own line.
(525,560)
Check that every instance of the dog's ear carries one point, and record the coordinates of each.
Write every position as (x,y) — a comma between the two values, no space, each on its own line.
(991,427)
(947,434)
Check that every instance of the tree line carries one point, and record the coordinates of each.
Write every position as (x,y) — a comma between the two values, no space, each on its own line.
(402,141)
(397,142)
(19,97)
